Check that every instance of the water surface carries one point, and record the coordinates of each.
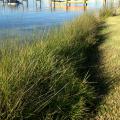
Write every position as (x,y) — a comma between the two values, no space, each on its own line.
(32,14)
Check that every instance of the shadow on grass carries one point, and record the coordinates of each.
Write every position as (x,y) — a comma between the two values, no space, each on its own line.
(92,66)
(97,79)
(0,55)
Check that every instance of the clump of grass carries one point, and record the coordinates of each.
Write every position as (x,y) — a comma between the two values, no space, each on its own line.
(44,80)
(107,12)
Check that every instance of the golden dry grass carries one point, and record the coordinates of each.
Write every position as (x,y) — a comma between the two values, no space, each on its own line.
(110,64)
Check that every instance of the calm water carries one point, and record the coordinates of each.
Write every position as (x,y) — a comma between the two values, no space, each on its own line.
(34,15)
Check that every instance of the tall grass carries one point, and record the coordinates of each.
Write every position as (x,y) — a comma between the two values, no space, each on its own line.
(107,12)
(45,80)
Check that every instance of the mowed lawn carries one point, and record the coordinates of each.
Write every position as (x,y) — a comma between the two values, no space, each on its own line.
(110,65)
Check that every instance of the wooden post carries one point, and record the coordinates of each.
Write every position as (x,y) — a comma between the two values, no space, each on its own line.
(85,2)
(39,3)
(54,4)
(66,2)
(104,3)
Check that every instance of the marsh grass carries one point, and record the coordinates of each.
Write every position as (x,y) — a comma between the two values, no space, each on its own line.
(107,12)
(45,80)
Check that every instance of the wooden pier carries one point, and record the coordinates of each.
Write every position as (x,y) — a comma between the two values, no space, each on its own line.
(55,1)
(68,3)
(71,1)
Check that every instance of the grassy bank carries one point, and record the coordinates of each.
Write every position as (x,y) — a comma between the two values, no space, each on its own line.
(47,79)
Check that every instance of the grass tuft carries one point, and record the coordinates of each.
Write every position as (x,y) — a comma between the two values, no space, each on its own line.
(107,12)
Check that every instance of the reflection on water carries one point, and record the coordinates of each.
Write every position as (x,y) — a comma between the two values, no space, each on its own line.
(30,14)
